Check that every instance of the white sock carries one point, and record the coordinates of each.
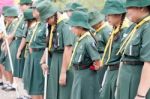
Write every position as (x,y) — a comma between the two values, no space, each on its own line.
(1,80)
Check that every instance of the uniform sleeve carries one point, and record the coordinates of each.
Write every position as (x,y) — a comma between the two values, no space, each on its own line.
(92,50)
(68,36)
(145,46)
(24,32)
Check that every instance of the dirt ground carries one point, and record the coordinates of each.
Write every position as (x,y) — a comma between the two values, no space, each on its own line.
(7,95)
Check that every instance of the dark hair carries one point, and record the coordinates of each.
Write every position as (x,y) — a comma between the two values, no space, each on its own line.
(148,7)
(55,29)
(122,20)
(28,23)
(56,18)
(28,4)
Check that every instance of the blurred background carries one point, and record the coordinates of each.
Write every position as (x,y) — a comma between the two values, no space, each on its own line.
(90,4)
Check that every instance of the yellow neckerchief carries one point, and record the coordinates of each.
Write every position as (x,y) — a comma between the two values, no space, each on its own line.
(51,32)
(75,47)
(108,46)
(33,34)
(100,28)
(131,35)
(27,45)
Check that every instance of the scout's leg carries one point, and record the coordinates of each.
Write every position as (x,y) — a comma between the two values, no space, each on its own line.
(1,74)
(10,80)
(37,97)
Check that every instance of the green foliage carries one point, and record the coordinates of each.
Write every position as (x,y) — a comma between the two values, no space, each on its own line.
(90,4)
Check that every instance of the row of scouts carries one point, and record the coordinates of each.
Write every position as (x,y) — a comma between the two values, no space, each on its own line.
(75,53)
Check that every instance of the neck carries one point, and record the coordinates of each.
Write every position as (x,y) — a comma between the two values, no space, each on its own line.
(117,24)
(142,16)
(32,24)
(99,25)
(82,33)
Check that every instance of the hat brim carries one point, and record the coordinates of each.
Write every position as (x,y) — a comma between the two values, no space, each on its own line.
(49,14)
(111,11)
(75,24)
(97,20)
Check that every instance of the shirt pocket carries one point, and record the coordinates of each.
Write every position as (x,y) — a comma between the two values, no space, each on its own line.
(133,48)
(79,55)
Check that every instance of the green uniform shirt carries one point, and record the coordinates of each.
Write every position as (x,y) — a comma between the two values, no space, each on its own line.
(39,40)
(138,49)
(86,52)
(11,27)
(21,28)
(102,38)
(63,37)
(114,58)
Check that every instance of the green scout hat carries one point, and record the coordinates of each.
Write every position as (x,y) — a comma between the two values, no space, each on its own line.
(28,14)
(72,6)
(79,18)
(114,7)
(82,9)
(137,3)
(47,11)
(35,3)
(11,11)
(95,17)
(25,1)
(5,8)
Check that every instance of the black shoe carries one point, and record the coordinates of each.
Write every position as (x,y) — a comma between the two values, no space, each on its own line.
(1,84)
(10,88)
(4,86)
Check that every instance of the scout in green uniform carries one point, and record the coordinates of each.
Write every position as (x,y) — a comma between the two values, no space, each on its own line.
(37,46)
(24,4)
(10,15)
(60,47)
(115,12)
(85,58)
(133,80)
(30,24)
(102,30)
(2,29)
(2,55)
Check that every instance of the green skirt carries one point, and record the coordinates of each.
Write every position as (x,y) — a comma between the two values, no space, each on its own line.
(55,91)
(36,77)
(108,89)
(84,85)
(18,65)
(13,52)
(128,81)
(100,75)
(26,70)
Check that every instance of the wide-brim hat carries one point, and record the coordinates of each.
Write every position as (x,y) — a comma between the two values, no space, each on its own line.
(95,17)
(28,14)
(137,3)
(11,11)
(80,19)
(114,7)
